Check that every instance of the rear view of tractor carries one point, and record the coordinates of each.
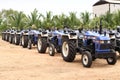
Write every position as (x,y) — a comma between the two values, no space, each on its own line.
(32,38)
(24,38)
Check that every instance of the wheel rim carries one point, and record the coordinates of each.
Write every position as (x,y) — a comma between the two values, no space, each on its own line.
(10,39)
(5,37)
(85,59)
(29,43)
(65,49)
(110,59)
(39,44)
(15,40)
(22,40)
(50,50)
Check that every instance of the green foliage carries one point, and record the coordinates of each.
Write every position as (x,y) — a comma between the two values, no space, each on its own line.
(85,19)
(14,19)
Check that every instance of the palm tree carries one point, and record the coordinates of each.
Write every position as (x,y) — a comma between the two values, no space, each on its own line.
(47,22)
(116,18)
(17,20)
(6,21)
(34,19)
(94,23)
(74,21)
(85,19)
(62,20)
(107,20)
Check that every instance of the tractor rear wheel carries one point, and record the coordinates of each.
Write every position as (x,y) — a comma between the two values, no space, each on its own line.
(86,59)
(42,45)
(68,51)
(24,41)
(17,39)
(29,44)
(10,39)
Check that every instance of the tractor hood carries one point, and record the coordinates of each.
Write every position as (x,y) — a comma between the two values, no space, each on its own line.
(57,32)
(89,33)
(103,38)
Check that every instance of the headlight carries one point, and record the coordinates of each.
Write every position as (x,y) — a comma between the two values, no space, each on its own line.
(93,37)
(108,41)
(101,42)
(112,36)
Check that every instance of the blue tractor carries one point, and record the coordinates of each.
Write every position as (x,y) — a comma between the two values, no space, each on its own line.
(55,42)
(117,38)
(93,46)
(42,42)
(24,38)
(11,36)
(17,37)
(32,38)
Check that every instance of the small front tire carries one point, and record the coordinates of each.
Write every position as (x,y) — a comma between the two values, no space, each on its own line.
(51,50)
(86,59)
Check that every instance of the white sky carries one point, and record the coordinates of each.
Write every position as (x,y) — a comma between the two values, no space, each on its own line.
(55,6)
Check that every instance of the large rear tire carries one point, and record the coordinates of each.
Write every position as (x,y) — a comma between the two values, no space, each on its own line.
(24,41)
(29,44)
(86,59)
(42,45)
(68,51)
(17,39)
(10,38)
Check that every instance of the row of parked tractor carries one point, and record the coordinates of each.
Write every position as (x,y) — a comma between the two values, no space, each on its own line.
(91,45)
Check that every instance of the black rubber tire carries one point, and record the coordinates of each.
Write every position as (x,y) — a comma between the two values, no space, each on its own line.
(7,37)
(13,39)
(59,50)
(51,50)
(93,58)
(42,45)
(112,60)
(17,39)
(29,44)
(70,53)
(3,36)
(10,38)
(24,41)
(118,51)
(86,59)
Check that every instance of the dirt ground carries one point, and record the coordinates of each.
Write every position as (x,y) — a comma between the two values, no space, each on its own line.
(17,63)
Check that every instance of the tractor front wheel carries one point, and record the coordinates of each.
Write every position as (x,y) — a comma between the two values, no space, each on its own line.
(111,60)
(86,59)
(51,50)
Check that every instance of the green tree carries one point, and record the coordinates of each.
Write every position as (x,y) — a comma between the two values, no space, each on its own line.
(34,19)
(85,19)
(116,18)
(107,20)
(18,20)
(74,21)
